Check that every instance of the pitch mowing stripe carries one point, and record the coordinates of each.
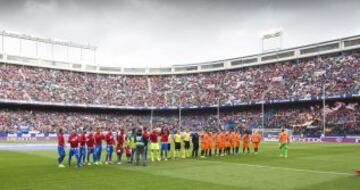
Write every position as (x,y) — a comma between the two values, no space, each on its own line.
(293,169)
(268,167)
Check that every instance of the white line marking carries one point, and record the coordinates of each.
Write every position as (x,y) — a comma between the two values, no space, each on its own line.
(297,170)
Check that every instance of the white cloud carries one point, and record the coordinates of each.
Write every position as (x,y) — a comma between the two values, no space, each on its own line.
(162,33)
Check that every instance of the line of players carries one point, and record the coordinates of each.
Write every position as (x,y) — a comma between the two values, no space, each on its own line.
(134,145)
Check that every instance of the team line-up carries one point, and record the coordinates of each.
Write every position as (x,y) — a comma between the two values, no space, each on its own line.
(134,145)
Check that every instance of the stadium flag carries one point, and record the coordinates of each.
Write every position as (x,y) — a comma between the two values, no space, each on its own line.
(239,83)
(277,79)
(337,106)
(272,34)
(328,110)
(319,73)
(351,106)
(211,86)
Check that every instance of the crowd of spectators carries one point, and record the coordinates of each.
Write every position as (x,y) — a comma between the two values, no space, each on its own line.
(338,74)
(341,119)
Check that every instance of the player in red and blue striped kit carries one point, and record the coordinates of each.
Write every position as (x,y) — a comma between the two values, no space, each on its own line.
(98,145)
(90,147)
(82,151)
(74,144)
(120,145)
(61,146)
(109,138)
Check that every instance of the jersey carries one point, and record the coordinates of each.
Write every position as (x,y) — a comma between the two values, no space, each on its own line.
(186,136)
(255,138)
(131,142)
(208,139)
(170,137)
(82,139)
(73,140)
(246,139)
(195,139)
(227,141)
(237,139)
(90,140)
(61,141)
(154,137)
(164,138)
(120,139)
(139,140)
(177,138)
(98,138)
(109,138)
(146,137)
(283,137)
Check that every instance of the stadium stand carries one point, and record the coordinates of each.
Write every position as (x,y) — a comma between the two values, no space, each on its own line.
(337,74)
(343,119)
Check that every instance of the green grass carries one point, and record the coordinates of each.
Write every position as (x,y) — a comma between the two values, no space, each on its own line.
(309,166)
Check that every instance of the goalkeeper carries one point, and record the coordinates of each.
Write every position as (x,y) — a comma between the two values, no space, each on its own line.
(283,143)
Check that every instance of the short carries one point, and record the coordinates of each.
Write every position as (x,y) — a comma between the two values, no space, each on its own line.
(227,144)
(187,144)
(154,146)
(256,145)
(73,151)
(218,145)
(98,149)
(283,146)
(207,147)
(203,146)
(177,145)
(82,150)
(139,147)
(90,150)
(119,150)
(245,145)
(110,148)
(164,146)
(61,151)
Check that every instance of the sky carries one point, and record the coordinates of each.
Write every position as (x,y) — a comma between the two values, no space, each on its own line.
(161,33)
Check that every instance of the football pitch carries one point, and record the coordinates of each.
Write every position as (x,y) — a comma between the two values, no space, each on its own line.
(309,166)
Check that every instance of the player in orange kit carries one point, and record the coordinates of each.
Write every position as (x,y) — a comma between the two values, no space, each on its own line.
(208,140)
(246,141)
(237,139)
(284,140)
(219,143)
(255,139)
